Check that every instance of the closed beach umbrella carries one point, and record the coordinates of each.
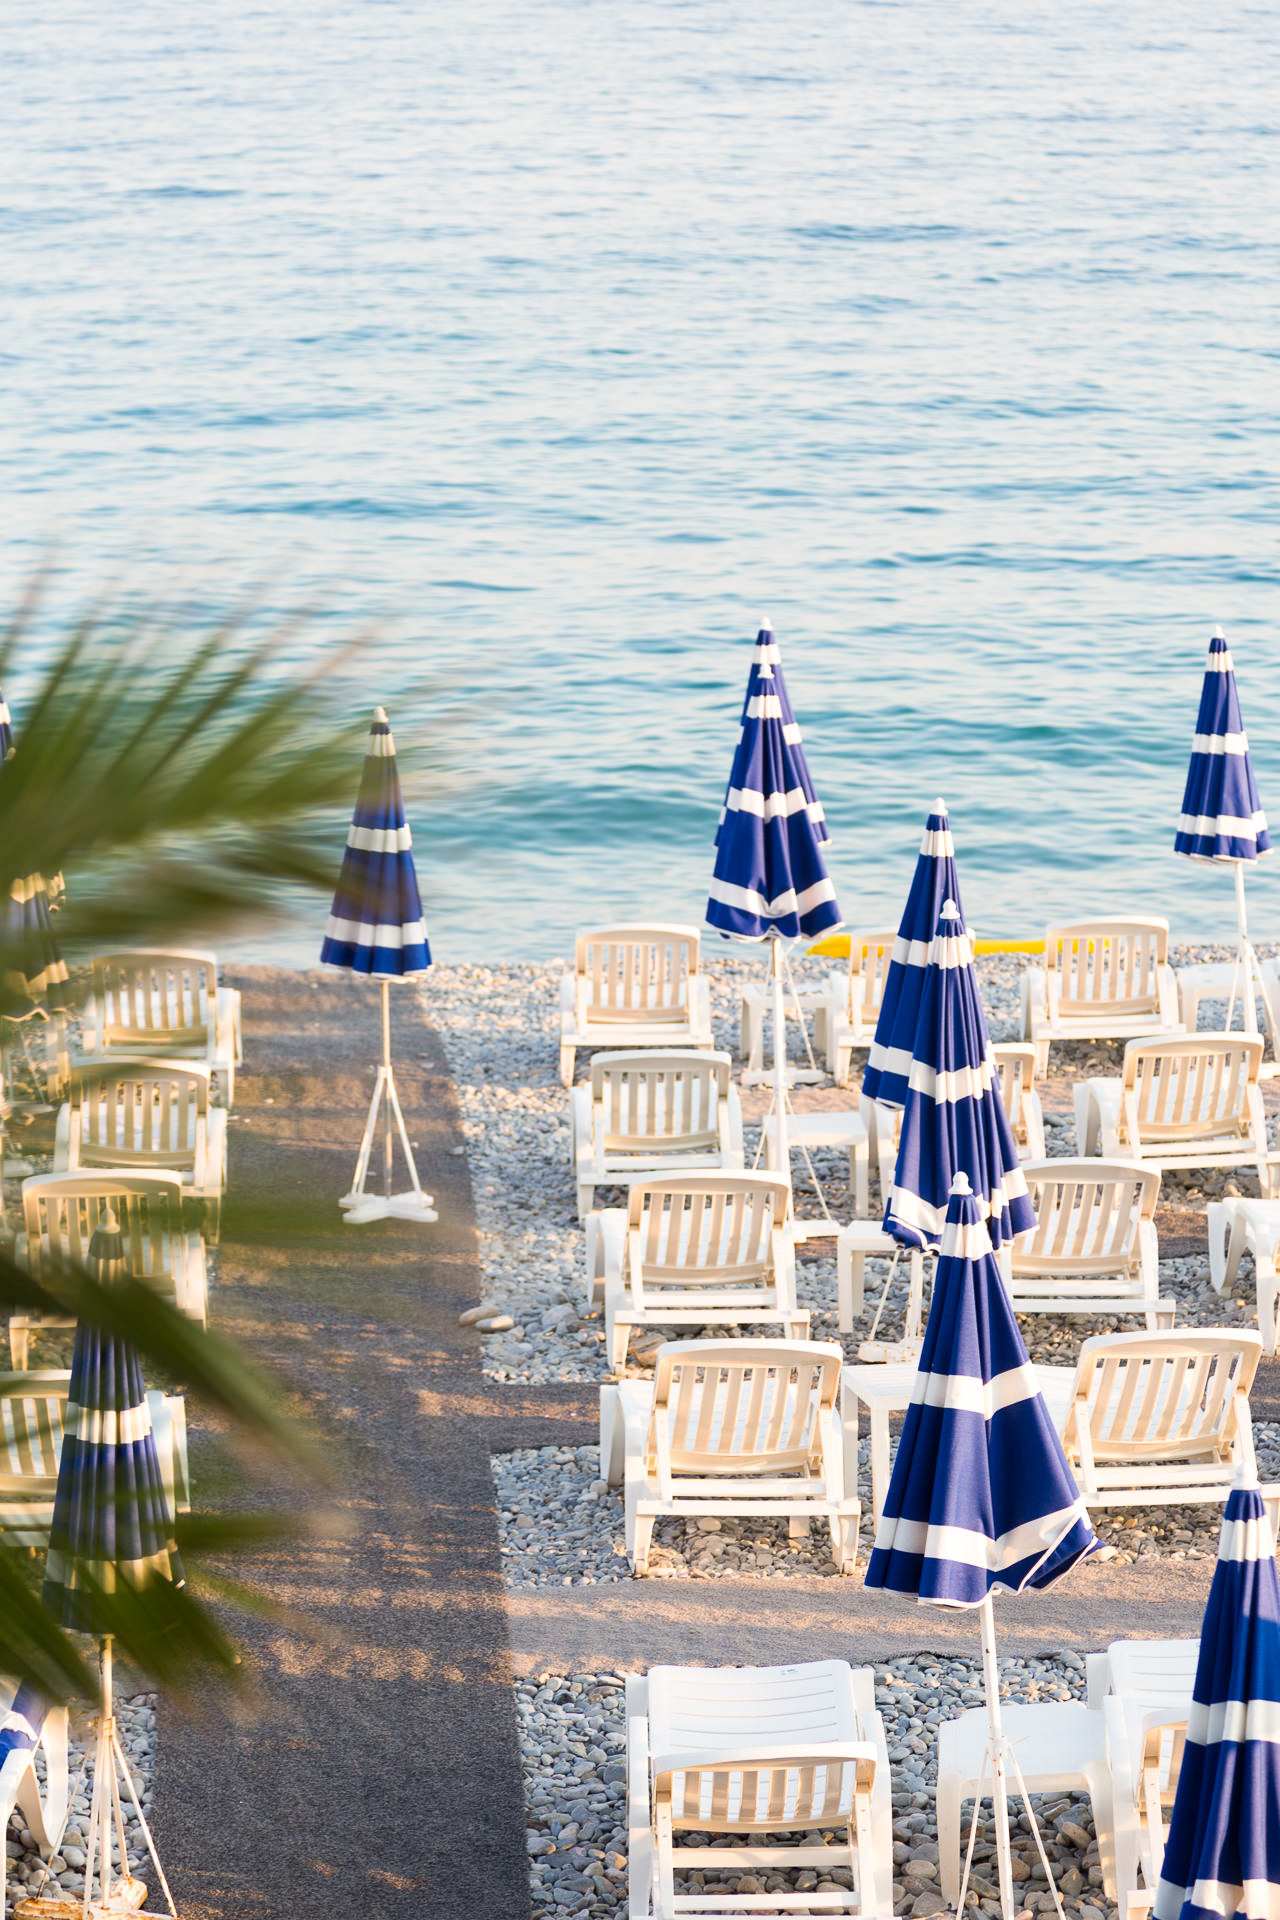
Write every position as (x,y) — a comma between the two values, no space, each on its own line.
(934,880)
(953,1119)
(1222,821)
(1222,1856)
(981,1497)
(111,1531)
(771,880)
(376,927)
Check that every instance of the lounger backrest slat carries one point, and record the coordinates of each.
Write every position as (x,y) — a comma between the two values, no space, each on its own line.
(156,999)
(32,1414)
(1107,966)
(637,976)
(1087,1217)
(1164,1396)
(707,1231)
(62,1213)
(870,955)
(148,1116)
(1192,1087)
(744,1413)
(659,1102)
(803,1791)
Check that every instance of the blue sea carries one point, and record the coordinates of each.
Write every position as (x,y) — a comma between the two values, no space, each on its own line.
(563,342)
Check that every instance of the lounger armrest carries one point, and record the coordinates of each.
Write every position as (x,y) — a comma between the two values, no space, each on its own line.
(568,1006)
(1034,1004)
(849,1435)
(639,1812)
(581,1131)
(211,1165)
(733,1124)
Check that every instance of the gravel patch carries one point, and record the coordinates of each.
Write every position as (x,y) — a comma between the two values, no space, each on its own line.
(573,1739)
(26,1869)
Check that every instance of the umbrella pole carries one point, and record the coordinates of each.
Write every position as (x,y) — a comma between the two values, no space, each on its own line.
(996,1743)
(359,1205)
(783,1156)
(387,1082)
(1247,984)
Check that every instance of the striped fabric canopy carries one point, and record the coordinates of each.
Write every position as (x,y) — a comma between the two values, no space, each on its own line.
(953,1118)
(1222,1855)
(376,925)
(770,872)
(981,1495)
(111,1527)
(34,969)
(935,880)
(1222,817)
(21,1726)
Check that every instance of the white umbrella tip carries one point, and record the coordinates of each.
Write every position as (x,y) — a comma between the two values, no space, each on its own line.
(1218,634)
(960,1184)
(766,624)
(379,716)
(950,911)
(939,805)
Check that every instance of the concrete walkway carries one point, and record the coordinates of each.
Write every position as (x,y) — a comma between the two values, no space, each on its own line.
(381,1778)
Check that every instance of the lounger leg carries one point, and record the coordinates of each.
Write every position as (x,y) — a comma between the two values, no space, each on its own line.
(879,1459)
(612,1437)
(849,1286)
(844,1541)
(586,1199)
(859,1157)
(1086,1111)
(1226,1243)
(641,1541)
(616,1339)
(567,1057)
(842,1063)
(947,1806)
(19,1346)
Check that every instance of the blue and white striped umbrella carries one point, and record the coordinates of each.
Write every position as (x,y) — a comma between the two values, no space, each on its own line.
(770,872)
(1222,817)
(981,1496)
(953,1119)
(1222,1855)
(6,729)
(376,925)
(935,880)
(111,1528)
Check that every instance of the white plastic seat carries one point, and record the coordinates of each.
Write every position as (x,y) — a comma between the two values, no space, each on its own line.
(61,1212)
(643,1114)
(32,1428)
(1094,1248)
(1217,980)
(1059,1745)
(854,1243)
(166,1004)
(1016,1066)
(695,1250)
(824,1130)
(748,1428)
(1237,1224)
(1188,1100)
(1162,1419)
(32,1728)
(755,1751)
(1146,1704)
(845,1016)
(147,1116)
(633,986)
(1105,979)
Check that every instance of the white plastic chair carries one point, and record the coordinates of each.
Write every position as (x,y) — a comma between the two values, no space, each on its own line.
(1106,979)
(1147,1689)
(1060,1745)
(748,1428)
(1190,1100)
(1016,1066)
(695,1250)
(61,1212)
(643,1114)
(39,1793)
(32,1428)
(1162,1419)
(1094,1247)
(1237,1224)
(754,1751)
(845,1016)
(633,986)
(147,1116)
(168,1004)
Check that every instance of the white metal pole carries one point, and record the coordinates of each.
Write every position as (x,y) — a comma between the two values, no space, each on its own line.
(105,1778)
(388,1133)
(1248,984)
(779,1062)
(995,1737)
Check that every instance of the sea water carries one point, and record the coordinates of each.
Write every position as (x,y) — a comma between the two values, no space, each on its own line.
(563,342)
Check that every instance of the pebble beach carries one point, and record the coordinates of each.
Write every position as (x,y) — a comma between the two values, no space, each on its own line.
(561,1525)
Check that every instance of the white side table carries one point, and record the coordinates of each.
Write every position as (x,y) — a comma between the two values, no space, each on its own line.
(847,1130)
(853,1244)
(1238,1223)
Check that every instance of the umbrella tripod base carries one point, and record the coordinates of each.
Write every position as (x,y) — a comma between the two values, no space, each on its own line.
(359,1208)
(796,1077)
